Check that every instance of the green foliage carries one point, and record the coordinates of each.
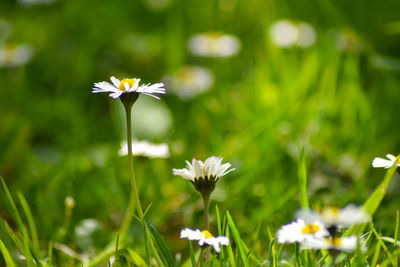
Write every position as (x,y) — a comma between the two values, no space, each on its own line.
(300,125)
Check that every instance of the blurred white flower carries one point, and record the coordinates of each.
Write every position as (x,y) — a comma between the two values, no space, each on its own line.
(333,216)
(190,81)
(212,167)
(214,44)
(385,163)
(87,227)
(146,149)
(307,35)
(285,33)
(15,55)
(69,202)
(345,243)
(128,86)
(299,230)
(205,237)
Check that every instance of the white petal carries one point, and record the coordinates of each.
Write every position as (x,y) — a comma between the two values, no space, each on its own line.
(115,81)
(185,173)
(391,157)
(382,163)
(115,95)
(190,234)
(104,86)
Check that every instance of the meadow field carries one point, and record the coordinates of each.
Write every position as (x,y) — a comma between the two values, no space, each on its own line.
(299,97)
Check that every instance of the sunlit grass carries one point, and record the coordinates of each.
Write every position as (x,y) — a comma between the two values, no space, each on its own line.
(301,126)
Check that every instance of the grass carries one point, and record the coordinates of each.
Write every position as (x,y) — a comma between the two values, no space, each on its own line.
(300,125)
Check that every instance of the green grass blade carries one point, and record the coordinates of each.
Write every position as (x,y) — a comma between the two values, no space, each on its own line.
(6,255)
(14,211)
(13,207)
(221,255)
(50,253)
(302,171)
(396,230)
(162,247)
(192,254)
(14,237)
(382,244)
(31,221)
(231,257)
(238,241)
(272,250)
(373,202)
(139,261)
(376,254)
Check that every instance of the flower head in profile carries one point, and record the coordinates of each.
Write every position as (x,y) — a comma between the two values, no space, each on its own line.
(385,163)
(205,237)
(333,216)
(204,175)
(347,244)
(128,86)
(299,231)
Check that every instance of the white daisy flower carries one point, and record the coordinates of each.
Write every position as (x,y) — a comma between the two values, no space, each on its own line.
(12,55)
(283,33)
(333,216)
(214,44)
(345,243)
(117,88)
(205,237)
(205,175)
(307,35)
(146,149)
(190,81)
(385,163)
(212,167)
(299,230)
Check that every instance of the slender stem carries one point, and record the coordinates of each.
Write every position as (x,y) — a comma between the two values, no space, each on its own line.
(201,258)
(134,198)
(206,201)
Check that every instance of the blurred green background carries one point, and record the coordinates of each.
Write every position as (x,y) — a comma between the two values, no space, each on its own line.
(338,97)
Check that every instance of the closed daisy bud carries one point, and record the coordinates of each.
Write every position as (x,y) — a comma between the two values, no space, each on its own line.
(205,175)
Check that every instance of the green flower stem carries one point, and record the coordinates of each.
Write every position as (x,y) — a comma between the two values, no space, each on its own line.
(134,200)
(134,197)
(206,201)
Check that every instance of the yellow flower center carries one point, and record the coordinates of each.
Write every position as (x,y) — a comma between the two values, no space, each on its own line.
(131,82)
(310,229)
(207,234)
(336,241)
(331,212)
